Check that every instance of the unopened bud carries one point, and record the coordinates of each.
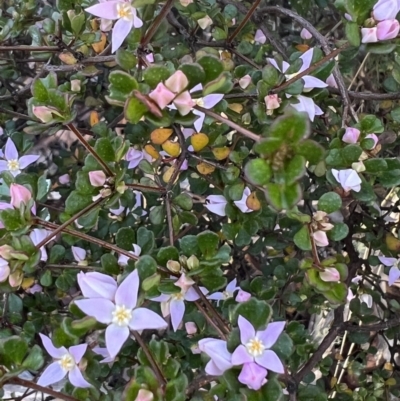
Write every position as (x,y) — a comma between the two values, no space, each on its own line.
(76,85)
(97,178)
(105,192)
(173,266)
(183,260)
(5,251)
(121,187)
(193,263)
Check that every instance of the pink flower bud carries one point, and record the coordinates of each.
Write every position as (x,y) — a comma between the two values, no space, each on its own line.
(385,10)
(19,194)
(272,102)
(306,35)
(320,238)
(162,96)
(177,82)
(374,138)
(144,395)
(388,29)
(191,328)
(369,35)
(260,37)
(330,274)
(351,135)
(64,179)
(242,296)
(97,178)
(184,103)
(245,81)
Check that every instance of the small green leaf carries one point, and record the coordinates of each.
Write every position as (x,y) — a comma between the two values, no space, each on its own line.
(208,243)
(76,202)
(184,201)
(157,215)
(125,237)
(258,171)
(370,124)
(302,239)
(351,153)
(270,75)
(212,67)
(134,110)
(146,267)
(256,312)
(155,74)
(375,165)
(189,245)
(145,239)
(105,149)
(283,197)
(330,202)
(34,360)
(167,253)
(338,232)
(109,263)
(295,169)
(125,59)
(353,33)
(311,150)
(39,91)
(13,350)
(194,73)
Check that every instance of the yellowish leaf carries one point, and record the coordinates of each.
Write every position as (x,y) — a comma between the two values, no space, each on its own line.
(152,151)
(27,282)
(392,243)
(67,58)
(94,118)
(199,141)
(391,381)
(95,24)
(221,153)
(168,175)
(333,382)
(252,202)
(205,168)
(225,55)
(302,48)
(172,148)
(236,107)
(388,366)
(99,46)
(160,135)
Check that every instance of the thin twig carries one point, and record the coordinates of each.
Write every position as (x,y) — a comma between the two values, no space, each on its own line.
(209,320)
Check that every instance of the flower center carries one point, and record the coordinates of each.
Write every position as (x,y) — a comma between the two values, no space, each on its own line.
(124,10)
(199,102)
(255,347)
(13,165)
(227,294)
(67,362)
(178,296)
(121,315)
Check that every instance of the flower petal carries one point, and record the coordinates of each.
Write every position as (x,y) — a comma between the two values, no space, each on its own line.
(128,291)
(271,333)
(240,356)
(52,374)
(217,296)
(247,331)
(191,295)
(217,350)
(3,165)
(177,310)
(138,23)
(161,298)
(56,353)
(120,32)
(101,309)
(25,161)
(394,275)
(97,285)
(306,58)
(143,319)
(274,64)
(212,369)
(11,152)
(232,286)
(107,10)
(253,376)
(306,105)
(387,261)
(270,361)
(78,253)
(211,100)
(198,124)
(77,351)
(311,82)
(76,378)
(115,338)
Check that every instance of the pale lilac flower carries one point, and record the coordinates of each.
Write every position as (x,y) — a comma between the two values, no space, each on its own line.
(135,156)
(79,255)
(104,353)
(242,296)
(207,102)
(227,293)
(97,285)
(304,34)
(307,105)
(123,259)
(97,178)
(348,17)
(174,304)
(221,358)
(122,11)
(241,204)
(330,274)
(386,30)
(188,132)
(331,81)
(320,238)
(216,204)
(369,35)
(191,328)
(35,288)
(253,375)
(351,135)
(4,270)
(348,179)
(105,24)
(255,348)
(13,163)
(64,179)
(138,204)
(245,81)
(386,9)
(66,362)
(122,315)
(259,37)
(394,272)
(37,235)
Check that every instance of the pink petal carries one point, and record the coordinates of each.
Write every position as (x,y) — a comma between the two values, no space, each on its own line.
(253,376)
(52,374)
(25,161)
(242,296)
(247,331)
(260,37)
(121,30)
(128,291)
(138,23)
(320,238)
(56,353)
(107,10)
(162,95)
(143,319)
(115,338)
(76,378)
(270,361)
(240,356)
(77,351)
(11,152)
(177,310)
(100,309)
(270,335)
(184,103)
(330,274)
